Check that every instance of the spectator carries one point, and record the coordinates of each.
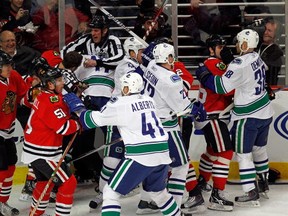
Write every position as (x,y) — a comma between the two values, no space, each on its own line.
(46,17)
(22,55)
(270,51)
(210,21)
(144,22)
(15,16)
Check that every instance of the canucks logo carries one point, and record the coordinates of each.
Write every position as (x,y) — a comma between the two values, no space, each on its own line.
(281,125)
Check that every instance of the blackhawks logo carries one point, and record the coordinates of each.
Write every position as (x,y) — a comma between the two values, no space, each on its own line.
(9,103)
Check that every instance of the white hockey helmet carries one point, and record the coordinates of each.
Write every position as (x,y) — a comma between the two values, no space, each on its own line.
(162,52)
(132,80)
(250,36)
(131,43)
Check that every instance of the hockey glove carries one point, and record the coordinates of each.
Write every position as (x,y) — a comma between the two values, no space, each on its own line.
(202,73)
(74,103)
(270,92)
(198,112)
(226,55)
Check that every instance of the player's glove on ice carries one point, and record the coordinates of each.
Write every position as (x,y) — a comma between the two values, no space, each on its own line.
(202,73)
(74,103)
(226,55)
(198,112)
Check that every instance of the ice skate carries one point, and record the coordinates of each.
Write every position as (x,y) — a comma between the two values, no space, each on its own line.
(145,207)
(194,204)
(97,201)
(263,185)
(218,201)
(7,210)
(27,191)
(249,199)
(203,185)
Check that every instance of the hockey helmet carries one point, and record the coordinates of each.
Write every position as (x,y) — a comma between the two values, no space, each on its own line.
(5,59)
(39,66)
(132,43)
(215,40)
(250,36)
(98,21)
(162,52)
(51,75)
(133,81)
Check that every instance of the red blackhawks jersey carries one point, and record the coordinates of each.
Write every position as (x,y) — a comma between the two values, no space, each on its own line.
(213,102)
(11,92)
(186,76)
(48,122)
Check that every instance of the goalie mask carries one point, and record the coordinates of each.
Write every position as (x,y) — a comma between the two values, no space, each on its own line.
(133,81)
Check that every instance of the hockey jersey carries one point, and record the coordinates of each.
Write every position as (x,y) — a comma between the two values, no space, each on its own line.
(141,130)
(48,122)
(166,88)
(99,79)
(127,65)
(180,70)
(213,102)
(246,74)
(11,93)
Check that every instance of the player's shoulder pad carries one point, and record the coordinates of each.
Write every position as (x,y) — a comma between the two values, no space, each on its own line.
(113,99)
(175,78)
(54,99)
(237,61)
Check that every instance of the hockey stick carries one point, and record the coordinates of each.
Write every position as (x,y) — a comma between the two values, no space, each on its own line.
(222,113)
(96,150)
(179,114)
(155,19)
(280,89)
(110,16)
(53,174)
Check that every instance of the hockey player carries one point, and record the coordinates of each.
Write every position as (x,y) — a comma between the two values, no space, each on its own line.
(13,88)
(215,161)
(39,66)
(146,147)
(252,113)
(49,121)
(166,88)
(113,154)
(195,201)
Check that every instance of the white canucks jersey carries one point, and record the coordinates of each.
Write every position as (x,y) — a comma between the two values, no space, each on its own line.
(127,65)
(246,74)
(99,79)
(166,88)
(141,130)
